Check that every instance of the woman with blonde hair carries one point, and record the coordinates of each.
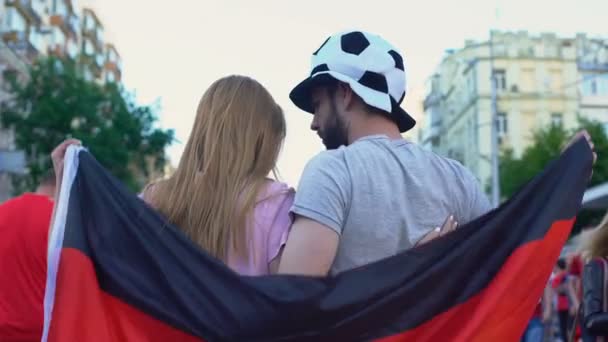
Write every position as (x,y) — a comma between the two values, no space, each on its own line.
(220,195)
(593,243)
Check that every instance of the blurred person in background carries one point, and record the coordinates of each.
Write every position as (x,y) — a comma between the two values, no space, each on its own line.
(575,270)
(567,302)
(24,227)
(538,325)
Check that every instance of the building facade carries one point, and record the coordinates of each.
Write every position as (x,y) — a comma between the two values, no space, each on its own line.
(541,80)
(33,28)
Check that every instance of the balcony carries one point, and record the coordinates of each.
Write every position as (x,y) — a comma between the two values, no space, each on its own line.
(113,62)
(94,63)
(57,42)
(21,44)
(31,9)
(68,24)
(59,21)
(92,29)
(94,36)
(112,66)
(12,36)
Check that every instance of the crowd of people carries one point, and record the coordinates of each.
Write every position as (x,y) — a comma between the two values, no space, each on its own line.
(554,318)
(370,195)
(574,305)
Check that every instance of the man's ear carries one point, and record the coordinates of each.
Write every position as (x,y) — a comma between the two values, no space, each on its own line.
(347,96)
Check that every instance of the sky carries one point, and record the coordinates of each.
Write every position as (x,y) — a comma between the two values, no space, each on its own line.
(172,51)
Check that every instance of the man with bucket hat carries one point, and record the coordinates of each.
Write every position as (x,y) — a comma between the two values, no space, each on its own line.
(372,194)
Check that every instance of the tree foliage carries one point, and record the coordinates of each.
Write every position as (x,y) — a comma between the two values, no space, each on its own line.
(546,146)
(57,102)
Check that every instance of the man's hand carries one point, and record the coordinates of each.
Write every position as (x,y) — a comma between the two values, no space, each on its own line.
(58,155)
(449,225)
(577,136)
(546,318)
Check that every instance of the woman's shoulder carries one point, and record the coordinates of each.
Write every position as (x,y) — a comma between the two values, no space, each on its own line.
(274,187)
(275,198)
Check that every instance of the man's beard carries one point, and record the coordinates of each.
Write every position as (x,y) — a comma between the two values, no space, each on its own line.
(336,134)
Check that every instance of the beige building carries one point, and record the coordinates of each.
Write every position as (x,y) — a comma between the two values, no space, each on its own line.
(541,80)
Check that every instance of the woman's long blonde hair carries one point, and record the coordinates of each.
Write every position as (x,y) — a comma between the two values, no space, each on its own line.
(593,243)
(234,145)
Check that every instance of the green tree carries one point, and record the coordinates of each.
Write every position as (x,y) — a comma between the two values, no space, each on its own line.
(57,102)
(515,172)
(546,145)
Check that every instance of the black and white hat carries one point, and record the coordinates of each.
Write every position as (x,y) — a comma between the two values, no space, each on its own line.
(369,64)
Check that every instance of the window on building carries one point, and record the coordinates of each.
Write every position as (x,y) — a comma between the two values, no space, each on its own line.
(602,84)
(589,86)
(39,6)
(500,49)
(57,37)
(592,86)
(110,77)
(99,60)
(14,20)
(72,48)
(60,8)
(556,79)
(501,79)
(556,119)
(112,57)
(550,50)
(531,51)
(502,126)
(528,80)
(89,22)
(74,21)
(99,34)
(37,40)
(89,50)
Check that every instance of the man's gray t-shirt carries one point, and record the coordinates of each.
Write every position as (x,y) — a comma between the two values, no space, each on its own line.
(382,196)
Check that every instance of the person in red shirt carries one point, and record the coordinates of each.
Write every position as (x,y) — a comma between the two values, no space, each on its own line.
(24,227)
(575,270)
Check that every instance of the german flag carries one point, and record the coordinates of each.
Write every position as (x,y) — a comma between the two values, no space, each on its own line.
(119,272)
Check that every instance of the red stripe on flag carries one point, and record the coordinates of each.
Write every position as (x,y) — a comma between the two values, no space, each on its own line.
(84,312)
(502,310)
